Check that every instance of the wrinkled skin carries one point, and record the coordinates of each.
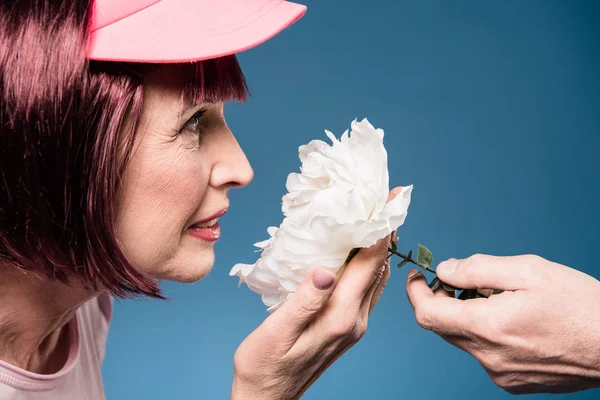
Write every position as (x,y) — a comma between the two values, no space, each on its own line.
(542,334)
(299,341)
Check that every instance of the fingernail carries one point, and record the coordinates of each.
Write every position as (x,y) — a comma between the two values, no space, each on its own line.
(448,267)
(322,280)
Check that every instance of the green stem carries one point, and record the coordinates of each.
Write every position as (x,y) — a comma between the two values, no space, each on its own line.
(434,285)
(425,267)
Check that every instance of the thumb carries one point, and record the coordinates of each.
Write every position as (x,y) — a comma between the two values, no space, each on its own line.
(485,272)
(305,303)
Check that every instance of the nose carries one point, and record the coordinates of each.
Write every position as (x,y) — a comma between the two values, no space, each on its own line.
(232,168)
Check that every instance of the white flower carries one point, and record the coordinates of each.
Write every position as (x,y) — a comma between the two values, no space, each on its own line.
(336,203)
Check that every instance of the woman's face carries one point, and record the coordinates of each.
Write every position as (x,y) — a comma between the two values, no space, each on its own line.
(185,159)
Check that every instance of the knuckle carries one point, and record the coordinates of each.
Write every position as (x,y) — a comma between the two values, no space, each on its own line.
(307,304)
(494,363)
(360,328)
(468,266)
(530,272)
(343,329)
(476,347)
(350,329)
(241,365)
(423,319)
(500,381)
(511,383)
(532,259)
(237,359)
(477,258)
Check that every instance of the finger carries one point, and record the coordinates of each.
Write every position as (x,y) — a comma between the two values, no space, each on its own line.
(312,294)
(439,289)
(417,289)
(443,315)
(441,292)
(484,272)
(361,276)
(377,289)
(372,301)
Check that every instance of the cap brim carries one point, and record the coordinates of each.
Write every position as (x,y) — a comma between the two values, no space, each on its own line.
(184,31)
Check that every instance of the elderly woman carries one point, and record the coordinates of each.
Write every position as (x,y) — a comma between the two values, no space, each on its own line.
(115,166)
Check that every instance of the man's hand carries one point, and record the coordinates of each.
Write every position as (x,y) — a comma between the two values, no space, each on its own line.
(542,334)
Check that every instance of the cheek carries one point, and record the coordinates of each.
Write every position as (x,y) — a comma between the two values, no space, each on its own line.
(161,193)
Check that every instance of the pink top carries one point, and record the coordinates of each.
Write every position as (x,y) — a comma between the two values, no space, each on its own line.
(80,378)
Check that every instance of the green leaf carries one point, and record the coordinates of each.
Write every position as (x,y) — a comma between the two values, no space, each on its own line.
(435,284)
(449,288)
(403,263)
(424,256)
(353,252)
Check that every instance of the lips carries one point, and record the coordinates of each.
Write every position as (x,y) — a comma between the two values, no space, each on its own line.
(208,224)
(210,221)
(210,234)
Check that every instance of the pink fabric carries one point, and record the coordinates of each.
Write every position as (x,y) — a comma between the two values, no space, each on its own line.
(80,378)
(168,31)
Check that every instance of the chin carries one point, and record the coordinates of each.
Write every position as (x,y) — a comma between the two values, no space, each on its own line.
(192,271)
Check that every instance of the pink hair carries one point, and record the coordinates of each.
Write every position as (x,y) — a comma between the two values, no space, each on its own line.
(62,143)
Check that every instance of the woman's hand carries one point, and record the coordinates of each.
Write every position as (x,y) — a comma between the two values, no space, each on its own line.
(542,334)
(322,319)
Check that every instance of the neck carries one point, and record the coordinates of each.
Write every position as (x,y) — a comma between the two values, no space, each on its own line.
(34,312)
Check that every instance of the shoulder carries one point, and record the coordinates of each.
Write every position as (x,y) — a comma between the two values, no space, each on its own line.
(105,305)
(98,311)
(95,317)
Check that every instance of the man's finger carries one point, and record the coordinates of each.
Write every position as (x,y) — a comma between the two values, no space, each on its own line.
(417,293)
(443,315)
(484,272)
(441,292)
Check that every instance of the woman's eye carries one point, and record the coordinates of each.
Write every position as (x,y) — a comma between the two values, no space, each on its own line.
(195,123)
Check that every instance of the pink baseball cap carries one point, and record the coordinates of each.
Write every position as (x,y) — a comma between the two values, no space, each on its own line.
(168,31)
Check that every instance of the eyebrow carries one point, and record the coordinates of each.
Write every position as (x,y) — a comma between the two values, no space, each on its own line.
(188,105)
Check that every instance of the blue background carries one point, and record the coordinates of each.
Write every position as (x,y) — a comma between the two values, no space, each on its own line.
(490,108)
